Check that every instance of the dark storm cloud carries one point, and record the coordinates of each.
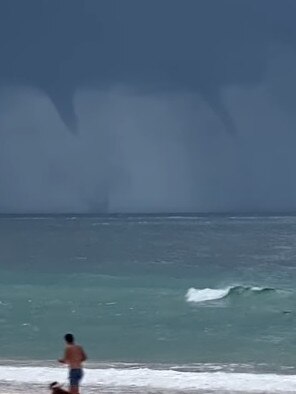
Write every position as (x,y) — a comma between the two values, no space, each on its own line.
(191,45)
(178,105)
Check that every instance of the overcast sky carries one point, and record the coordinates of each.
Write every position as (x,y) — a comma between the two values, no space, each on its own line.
(147,105)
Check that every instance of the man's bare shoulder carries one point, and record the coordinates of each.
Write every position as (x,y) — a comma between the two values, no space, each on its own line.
(78,347)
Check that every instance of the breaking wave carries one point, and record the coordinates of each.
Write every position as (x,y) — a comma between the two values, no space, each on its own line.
(122,380)
(207,294)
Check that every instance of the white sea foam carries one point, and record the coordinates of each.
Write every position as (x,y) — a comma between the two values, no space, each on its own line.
(202,295)
(156,379)
(208,294)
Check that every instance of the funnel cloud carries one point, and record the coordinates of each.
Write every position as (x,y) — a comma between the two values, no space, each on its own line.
(159,106)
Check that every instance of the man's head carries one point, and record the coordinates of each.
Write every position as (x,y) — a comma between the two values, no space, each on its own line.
(69,338)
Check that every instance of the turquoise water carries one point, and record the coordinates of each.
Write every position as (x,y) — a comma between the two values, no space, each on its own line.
(122,285)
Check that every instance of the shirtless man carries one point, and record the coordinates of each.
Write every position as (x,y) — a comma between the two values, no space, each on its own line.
(74,356)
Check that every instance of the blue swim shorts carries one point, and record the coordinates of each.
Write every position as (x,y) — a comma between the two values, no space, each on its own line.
(75,376)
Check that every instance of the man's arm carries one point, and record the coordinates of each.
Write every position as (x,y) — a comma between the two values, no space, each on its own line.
(64,360)
(83,354)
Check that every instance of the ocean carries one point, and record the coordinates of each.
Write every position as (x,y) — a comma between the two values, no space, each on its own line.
(161,303)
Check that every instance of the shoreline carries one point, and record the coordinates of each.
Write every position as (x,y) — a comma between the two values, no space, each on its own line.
(20,379)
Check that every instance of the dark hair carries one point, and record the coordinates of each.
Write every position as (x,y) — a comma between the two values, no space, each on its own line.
(53,385)
(69,338)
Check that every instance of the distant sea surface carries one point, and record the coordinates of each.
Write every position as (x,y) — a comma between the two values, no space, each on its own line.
(183,303)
